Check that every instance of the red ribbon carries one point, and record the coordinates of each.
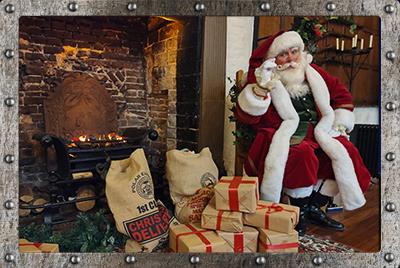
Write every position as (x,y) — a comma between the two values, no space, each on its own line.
(36,244)
(272,209)
(238,242)
(233,191)
(219,219)
(281,246)
(199,234)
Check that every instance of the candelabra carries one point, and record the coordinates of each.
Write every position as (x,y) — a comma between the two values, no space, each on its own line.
(358,56)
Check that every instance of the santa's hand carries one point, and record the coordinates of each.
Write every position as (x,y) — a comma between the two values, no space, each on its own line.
(263,73)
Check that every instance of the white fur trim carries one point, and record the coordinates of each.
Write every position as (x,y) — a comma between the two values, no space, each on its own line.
(342,165)
(345,118)
(299,192)
(329,188)
(284,41)
(250,103)
(275,161)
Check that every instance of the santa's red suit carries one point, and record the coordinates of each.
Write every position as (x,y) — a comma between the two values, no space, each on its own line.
(322,153)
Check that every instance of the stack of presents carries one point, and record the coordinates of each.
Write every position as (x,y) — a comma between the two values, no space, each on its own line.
(235,220)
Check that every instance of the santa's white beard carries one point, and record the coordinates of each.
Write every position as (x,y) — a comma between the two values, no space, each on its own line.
(293,78)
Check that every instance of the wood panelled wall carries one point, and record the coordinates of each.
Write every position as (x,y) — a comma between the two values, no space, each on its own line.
(366,85)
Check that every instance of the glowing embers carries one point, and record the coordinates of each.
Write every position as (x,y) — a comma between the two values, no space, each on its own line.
(96,141)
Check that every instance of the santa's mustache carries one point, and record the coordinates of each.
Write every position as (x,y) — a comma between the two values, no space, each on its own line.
(287,65)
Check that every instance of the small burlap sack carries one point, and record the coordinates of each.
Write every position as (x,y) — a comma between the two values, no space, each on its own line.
(130,196)
(188,172)
(189,209)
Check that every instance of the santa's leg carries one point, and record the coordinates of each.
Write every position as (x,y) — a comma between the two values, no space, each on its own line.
(299,178)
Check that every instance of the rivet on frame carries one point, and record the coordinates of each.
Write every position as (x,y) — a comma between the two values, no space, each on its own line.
(73,6)
(330,6)
(9,204)
(389,257)
(9,53)
(9,158)
(75,259)
(390,55)
(9,257)
(390,156)
(261,260)
(9,102)
(9,8)
(131,6)
(130,259)
(194,259)
(199,7)
(390,106)
(390,207)
(389,9)
(265,6)
(317,260)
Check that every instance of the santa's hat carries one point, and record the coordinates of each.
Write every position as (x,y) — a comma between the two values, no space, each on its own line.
(270,48)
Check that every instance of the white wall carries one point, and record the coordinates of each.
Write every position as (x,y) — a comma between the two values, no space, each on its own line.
(238,51)
(366,115)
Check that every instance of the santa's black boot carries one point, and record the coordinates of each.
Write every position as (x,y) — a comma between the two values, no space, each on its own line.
(302,203)
(317,216)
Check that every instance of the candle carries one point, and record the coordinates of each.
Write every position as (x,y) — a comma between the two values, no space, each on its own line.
(362,43)
(355,40)
(337,43)
(371,37)
(342,45)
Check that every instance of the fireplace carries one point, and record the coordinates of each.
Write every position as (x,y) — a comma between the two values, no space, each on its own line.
(93,89)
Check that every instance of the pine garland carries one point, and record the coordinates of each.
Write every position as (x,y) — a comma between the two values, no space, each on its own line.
(90,233)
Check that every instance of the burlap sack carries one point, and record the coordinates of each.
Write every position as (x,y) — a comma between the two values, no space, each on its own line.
(167,219)
(189,209)
(130,196)
(188,172)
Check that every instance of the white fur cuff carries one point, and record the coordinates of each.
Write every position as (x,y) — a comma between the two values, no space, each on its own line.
(345,118)
(252,104)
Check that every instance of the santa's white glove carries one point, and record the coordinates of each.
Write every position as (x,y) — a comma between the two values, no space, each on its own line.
(264,74)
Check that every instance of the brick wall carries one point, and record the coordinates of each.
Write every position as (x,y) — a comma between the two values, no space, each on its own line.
(151,74)
(109,49)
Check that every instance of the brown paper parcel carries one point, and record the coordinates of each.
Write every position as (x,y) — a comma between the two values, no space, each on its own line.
(229,221)
(245,241)
(192,238)
(37,247)
(276,217)
(237,194)
(271,241)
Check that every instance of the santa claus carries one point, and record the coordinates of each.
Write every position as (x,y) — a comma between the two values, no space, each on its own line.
(301,115)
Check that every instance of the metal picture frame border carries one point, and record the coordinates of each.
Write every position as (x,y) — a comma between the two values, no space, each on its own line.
(388,11)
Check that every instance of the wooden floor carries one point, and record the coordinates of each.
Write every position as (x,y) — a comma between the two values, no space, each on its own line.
(362,226)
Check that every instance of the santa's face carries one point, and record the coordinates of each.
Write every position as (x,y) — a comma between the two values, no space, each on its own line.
(288,55)
(291,71)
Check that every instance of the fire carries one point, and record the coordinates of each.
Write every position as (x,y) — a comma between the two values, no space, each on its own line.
(107,139)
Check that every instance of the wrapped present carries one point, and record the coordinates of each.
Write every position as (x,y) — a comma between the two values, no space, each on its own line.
(36,247)
(271,241)
(245,241)
(229,221)
(276,217)
(237,194)
(192,238)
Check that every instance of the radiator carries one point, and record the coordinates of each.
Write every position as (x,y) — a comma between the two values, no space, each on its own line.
(367,139)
